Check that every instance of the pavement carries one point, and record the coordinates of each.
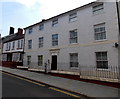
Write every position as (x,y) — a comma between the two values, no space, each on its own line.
(84,88)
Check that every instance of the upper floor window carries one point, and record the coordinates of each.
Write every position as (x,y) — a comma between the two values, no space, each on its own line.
(73,17)
(40,42)
(41,26)
(21,43)
(73,36)
(18,43)
(98,8)
(73,59)
(13,45)
(30,30)
(29,44)
(8,45)
(99,30)
(101,60)
(54,22)
(54,39)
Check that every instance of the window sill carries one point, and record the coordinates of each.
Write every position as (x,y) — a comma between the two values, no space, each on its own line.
(19,48)
(100,69)
(100,13)
(74,68)
(73,44)
(100,40)
(72,21)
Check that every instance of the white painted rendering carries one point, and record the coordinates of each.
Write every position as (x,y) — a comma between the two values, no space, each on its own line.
(16,49)
(86,46)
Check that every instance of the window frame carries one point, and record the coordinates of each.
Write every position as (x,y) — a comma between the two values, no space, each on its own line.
(54,22)
(101,60)
(73,17)
(30,30)
(29,44)
(13,45)
(75,37)
(73,61)
(40,42)
(96,9)
(40,60)
(28,60)
(55,40)
(100,32)
(41,27)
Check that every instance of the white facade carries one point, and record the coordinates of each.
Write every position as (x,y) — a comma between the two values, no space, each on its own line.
(13,46)
(84,21)
(13,50)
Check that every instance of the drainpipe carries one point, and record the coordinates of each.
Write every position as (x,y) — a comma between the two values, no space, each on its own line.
(118,15)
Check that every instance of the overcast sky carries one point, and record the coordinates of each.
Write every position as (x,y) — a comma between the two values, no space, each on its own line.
(22,13)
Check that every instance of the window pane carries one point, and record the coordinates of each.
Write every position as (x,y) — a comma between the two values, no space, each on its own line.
(99,31)
(73,59)
(40,60)
(54,39)
(101,60)
(73,36)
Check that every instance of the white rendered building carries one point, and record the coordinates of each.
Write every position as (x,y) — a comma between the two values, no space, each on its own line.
(85,36)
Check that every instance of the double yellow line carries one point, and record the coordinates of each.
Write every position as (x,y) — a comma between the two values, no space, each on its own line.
(55,89)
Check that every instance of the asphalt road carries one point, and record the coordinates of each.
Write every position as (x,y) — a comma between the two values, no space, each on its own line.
(13,86)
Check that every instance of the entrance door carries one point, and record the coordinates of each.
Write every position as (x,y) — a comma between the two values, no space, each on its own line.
(54,62)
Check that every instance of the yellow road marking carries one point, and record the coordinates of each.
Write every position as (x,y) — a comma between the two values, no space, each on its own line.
(64,92)
(24,79)
(43,85)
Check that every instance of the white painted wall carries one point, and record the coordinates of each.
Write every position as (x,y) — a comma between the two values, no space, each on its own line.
(86,46)
(16,49)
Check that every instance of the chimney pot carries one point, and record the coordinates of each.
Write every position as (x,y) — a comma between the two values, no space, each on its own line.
(20,31)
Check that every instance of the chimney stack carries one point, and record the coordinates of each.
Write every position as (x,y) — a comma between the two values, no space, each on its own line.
(11,31)
(20,31)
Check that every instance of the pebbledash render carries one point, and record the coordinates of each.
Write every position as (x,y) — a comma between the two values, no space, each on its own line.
(85,36)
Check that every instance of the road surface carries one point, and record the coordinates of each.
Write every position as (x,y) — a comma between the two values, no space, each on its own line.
(13,86)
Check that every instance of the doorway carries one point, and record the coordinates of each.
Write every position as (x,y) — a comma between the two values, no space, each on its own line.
(54,62)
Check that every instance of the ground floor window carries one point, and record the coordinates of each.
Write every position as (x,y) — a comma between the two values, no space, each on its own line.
(101,60)
(28,60)
(4,57)
(40,60)
(73,59)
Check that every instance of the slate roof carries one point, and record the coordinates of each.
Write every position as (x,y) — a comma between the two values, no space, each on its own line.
(13,37)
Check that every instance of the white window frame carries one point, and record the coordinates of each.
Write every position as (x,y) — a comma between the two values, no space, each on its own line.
(98,8)
(100,32)
(21,43)
(40,40)
(54,22)
(73,60)
(101,59)
(73,17)
(41,26)
(30,30)
(29,44)
(13,45)
(55,40)
(74,38)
